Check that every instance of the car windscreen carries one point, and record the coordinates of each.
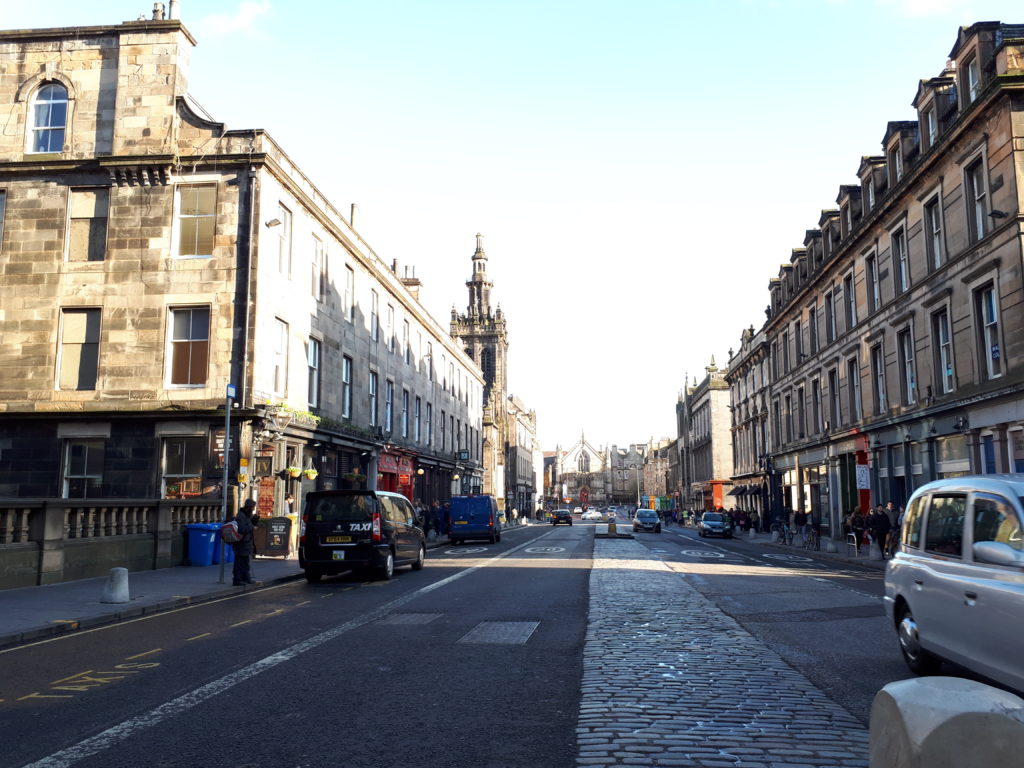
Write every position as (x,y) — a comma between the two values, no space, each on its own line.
(646,513)
(355,508)
(712,517)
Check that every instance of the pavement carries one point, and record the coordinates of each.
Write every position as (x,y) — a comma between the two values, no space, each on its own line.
(37,613)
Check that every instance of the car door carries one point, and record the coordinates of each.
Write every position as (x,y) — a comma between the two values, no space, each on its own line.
(937,591)
(994,594)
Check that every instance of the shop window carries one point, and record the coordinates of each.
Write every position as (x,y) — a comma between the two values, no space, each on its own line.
(183,466)
(83,468)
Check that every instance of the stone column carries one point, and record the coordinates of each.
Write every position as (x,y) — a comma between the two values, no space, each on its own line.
(51,543)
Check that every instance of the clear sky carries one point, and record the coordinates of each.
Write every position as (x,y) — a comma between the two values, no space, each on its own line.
(639,168)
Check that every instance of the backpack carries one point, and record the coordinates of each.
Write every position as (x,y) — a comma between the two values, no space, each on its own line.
(229,532)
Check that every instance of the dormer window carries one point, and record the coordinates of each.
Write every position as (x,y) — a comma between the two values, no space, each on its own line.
(973,80)
(869,194)
(895,165)
(931,126)
(48,119)
(847,220)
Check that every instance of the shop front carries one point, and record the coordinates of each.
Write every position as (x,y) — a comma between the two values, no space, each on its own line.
(395,474)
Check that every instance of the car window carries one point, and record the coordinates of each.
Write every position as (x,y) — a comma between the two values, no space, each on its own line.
(393,510)
(996,520)
(340,508)
(944,531)
(912,520)
(713,517)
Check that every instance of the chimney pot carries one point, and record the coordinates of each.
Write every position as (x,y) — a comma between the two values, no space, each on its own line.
(158,11)
(172,13)
(352,216)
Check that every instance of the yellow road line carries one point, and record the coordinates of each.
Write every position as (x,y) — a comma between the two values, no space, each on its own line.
(72,622)
(205,634)
(247,621)
(274,613)
(141,655)
(44,696)
(304,602)
(69,677)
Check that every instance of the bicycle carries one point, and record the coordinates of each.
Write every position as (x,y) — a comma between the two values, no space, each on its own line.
(812,541)
(786,535)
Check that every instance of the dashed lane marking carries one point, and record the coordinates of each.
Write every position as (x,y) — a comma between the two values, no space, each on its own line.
(142,655)
(197,637)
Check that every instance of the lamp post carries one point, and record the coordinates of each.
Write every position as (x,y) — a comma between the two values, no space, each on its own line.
(637,468)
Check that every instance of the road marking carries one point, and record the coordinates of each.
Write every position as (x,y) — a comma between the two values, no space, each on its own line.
(544,550)
(701,553)
(791,558)
(38,695)
(466,551)
(240,623)
(73,624)
(124,730)
(205,634)
(304,602)
(141,655)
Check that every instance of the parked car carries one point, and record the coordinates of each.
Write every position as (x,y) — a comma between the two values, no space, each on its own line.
(474,517)
(561,516)
(359,530)
(954,590)
(646,520)
(715,524)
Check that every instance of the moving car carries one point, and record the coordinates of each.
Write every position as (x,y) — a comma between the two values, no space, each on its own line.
(954,591)
(577,510)
(474,517)
(592,514)
(646,520)
(359,530)
(561,516)
(715,524)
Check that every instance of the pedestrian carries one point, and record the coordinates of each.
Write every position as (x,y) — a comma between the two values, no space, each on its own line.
(515,516)
(446,519)
(436,517)
(879,528)
(857,526)
(244,549)
(800,524)
(754,520)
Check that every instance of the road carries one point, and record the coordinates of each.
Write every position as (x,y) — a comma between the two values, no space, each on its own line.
(477,660)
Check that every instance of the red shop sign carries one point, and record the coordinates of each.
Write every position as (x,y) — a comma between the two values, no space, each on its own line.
(388,463)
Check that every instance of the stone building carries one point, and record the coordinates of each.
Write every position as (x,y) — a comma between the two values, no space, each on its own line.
(150,260)
(656,473)
(583,476)
(704,424)
(748,395)
(893,335)
(626,467)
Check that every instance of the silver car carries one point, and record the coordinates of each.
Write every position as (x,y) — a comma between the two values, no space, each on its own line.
(955,589)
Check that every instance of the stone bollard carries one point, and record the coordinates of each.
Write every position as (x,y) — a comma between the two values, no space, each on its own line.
(775,536)
(945,722)
(116,590)
(830,546)
(752,535)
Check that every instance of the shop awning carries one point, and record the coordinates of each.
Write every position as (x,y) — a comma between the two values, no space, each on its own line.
(737,491)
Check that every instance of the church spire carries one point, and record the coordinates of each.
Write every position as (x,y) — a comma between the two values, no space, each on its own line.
(479,286)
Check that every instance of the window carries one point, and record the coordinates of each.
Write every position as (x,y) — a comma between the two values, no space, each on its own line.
(834,412)
(816,406)
(284,241)
(389,405)
(976,198)
(942,344)
(417,414)
(280,357)
(318,269)
(444,446)
(374,316)
(801,413)
(451,430)
(430,424)
(430,361)
(48,119)
(933,233)
(190,346)
(830,318)
(775,360)
(912,523)
(777,423)
(313,366)
(869,193)
(389,329)
(406,342)
(87,228)
(812,328)
(878,376)
(851,302)
(944,531)
(83,469)
(853,389)
(785,352)
(373,399)
(895,165)
(987,314)
(931,126)
(350,294)
(789,418)
(197,216)
(79,349)
(908,379)
(3,207)
(899,260)
(973,79)
(798,337)
(871,276)
(405,413)
(346,387)
(995,520)
(451,376)
(183,467)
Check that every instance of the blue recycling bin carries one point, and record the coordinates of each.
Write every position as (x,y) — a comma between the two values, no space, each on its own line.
(202,543)
(229,551)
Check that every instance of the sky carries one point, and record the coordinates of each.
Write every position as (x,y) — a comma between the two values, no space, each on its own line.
(639,168)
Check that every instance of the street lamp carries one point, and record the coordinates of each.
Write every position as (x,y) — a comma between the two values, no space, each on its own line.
(637,468)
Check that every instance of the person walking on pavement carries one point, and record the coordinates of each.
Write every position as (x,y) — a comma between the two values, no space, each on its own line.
(857,525)
(242,571)
(879,527)
(435,518)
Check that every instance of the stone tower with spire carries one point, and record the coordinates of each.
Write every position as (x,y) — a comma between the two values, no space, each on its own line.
(482,332)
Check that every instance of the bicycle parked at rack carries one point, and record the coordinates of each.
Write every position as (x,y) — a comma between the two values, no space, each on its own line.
(812,540)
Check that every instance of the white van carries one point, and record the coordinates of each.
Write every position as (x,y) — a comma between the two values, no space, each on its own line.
(955,589)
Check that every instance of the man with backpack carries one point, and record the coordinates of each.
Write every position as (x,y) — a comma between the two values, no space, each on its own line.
(244,549)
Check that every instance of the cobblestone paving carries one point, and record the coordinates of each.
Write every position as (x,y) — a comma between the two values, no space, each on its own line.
(670,680)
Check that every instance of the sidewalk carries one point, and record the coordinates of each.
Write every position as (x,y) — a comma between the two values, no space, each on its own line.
(37,613)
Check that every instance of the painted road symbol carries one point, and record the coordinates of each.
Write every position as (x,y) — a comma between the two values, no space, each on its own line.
(544,550)
(701,553)
(792,558)
(466,551)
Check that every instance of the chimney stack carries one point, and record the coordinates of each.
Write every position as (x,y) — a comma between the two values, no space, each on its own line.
(158,11)
(173,12)
(352,216)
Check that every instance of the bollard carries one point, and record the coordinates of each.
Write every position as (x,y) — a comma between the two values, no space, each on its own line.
(116,590)
(752,535)
(611,528)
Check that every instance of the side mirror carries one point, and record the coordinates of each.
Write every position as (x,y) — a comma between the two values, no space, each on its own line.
(998,553)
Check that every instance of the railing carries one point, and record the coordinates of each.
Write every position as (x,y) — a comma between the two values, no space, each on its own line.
(45,541)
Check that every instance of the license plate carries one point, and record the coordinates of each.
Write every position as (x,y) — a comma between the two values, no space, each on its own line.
(338,554)
(461,522)
(337,539)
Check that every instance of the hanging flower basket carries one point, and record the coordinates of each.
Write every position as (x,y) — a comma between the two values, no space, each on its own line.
(293,471)
(310,474)
(355,477)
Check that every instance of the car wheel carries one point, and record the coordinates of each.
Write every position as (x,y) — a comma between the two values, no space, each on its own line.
(387,569)
(658,529)
(491,538)
(920,661)
(499,537)
(570,522)
(313,576)
(421,556)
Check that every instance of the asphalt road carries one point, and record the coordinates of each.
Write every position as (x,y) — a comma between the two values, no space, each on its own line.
(825,618)
(473,661)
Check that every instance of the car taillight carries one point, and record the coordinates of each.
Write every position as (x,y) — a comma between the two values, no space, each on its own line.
(375,528)
(302,529)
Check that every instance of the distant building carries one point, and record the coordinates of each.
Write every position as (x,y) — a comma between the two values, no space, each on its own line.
(705,428)
(626,466)
(583,474)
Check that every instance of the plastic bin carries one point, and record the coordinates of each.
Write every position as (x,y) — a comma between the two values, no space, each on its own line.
(202,541)
(229,551)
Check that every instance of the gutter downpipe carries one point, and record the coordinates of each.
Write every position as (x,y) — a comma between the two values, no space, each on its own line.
(243,380)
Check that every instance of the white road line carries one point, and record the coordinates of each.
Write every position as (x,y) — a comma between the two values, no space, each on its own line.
(127,729)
